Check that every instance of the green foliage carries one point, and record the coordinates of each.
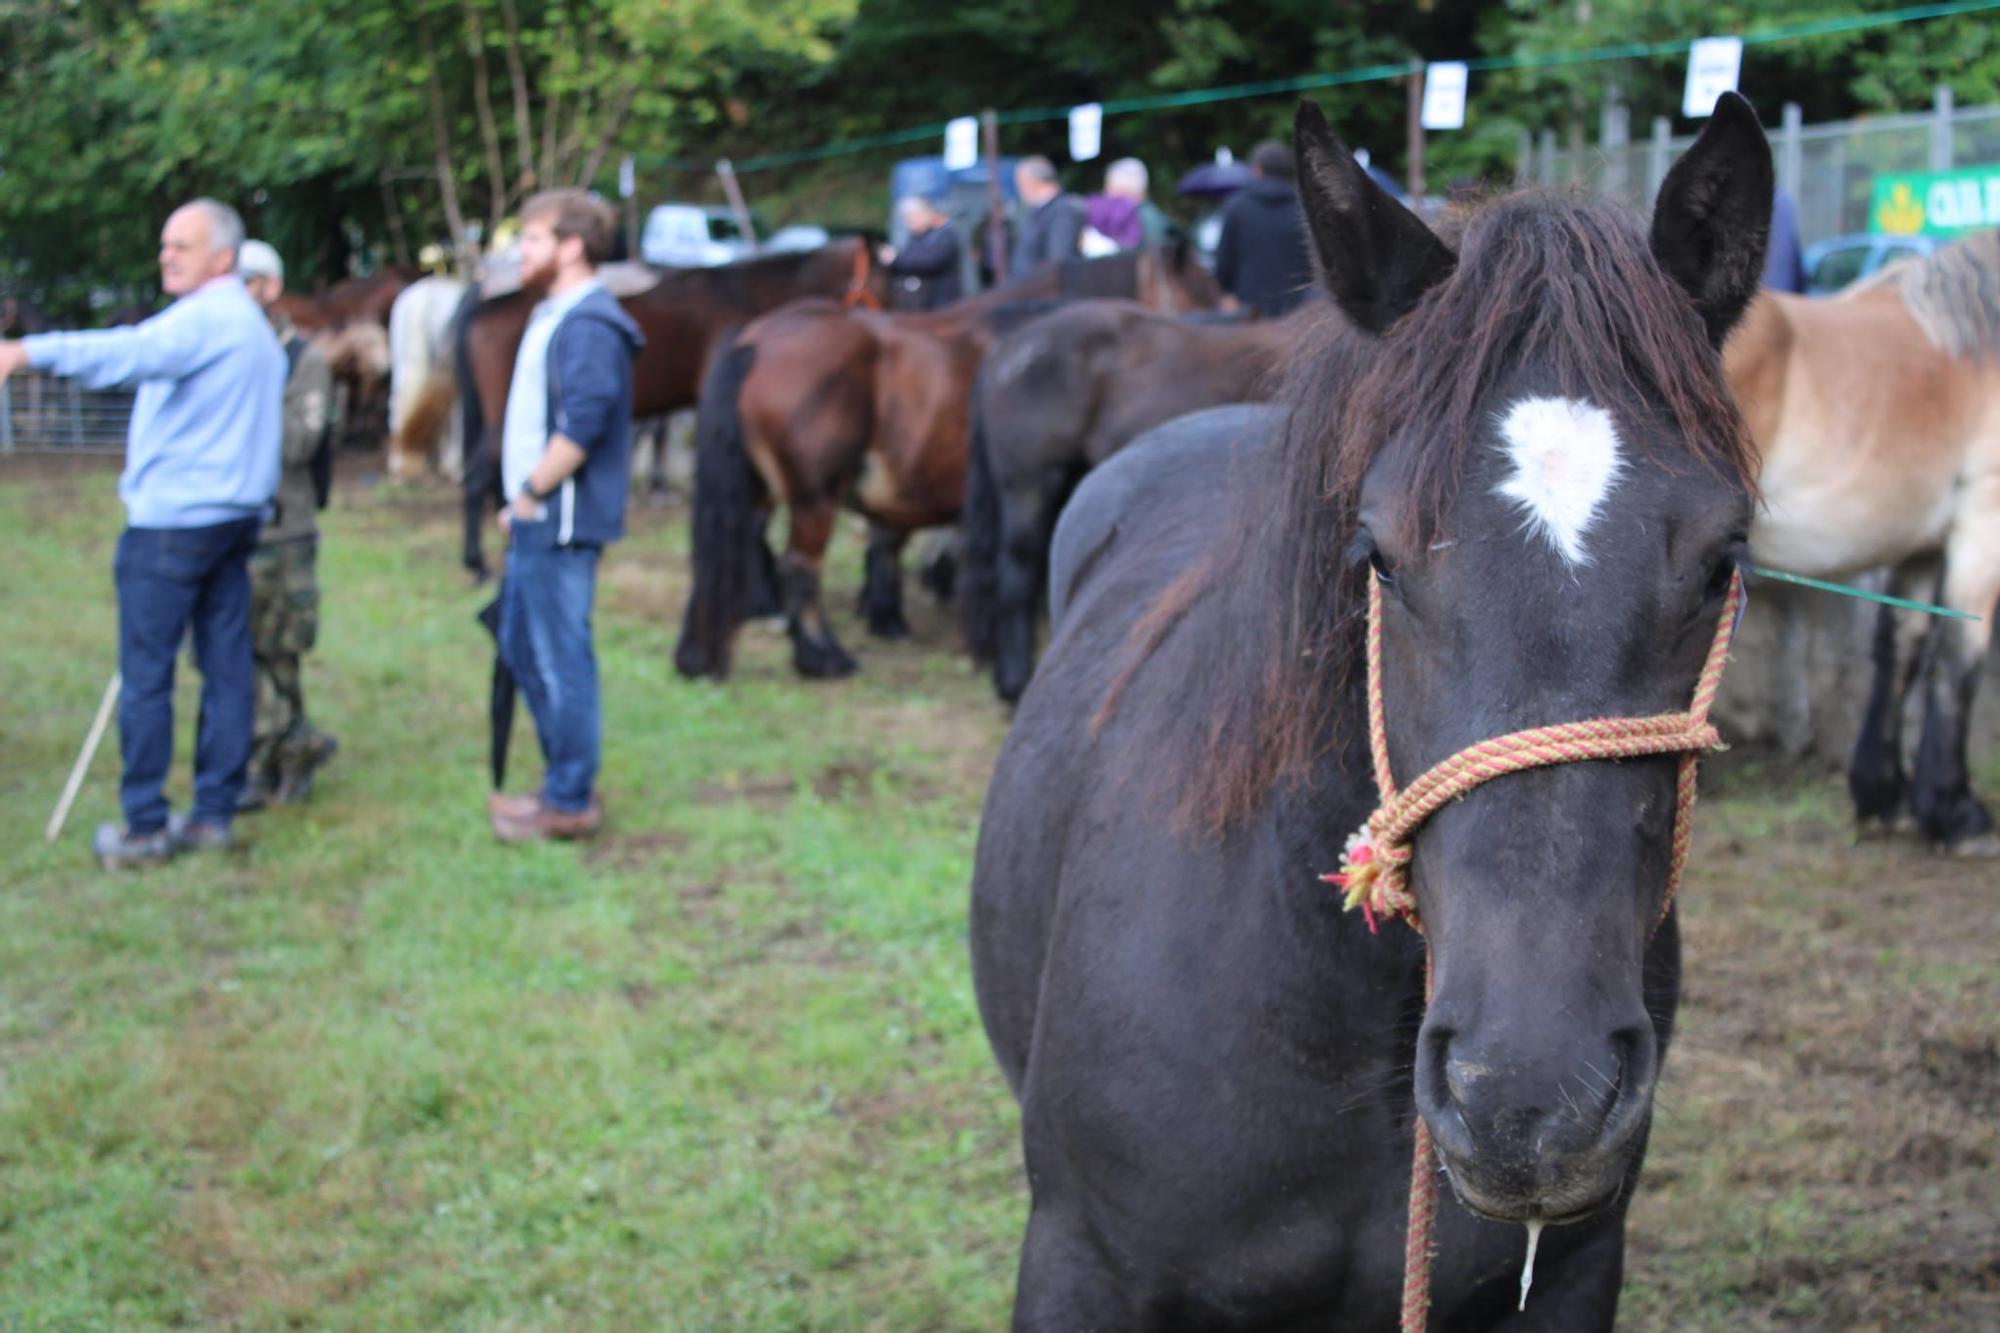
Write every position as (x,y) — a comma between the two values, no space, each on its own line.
(317,120)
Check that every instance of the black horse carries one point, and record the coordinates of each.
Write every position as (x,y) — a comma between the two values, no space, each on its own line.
(1055,399)
(1527,440)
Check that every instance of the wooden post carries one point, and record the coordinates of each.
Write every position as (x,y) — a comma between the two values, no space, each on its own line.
(1416,132)
(996,199)
(737,205)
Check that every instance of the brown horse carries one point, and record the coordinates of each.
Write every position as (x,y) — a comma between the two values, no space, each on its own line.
(1056,398)
(814,407)
(1878,416)
(682,315)
(347,301)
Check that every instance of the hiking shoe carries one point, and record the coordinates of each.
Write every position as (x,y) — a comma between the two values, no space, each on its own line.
(515,821)
(297,782)
(118,848)
(198,835)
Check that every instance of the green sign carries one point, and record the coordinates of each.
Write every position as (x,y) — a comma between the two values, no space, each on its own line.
(1937,203)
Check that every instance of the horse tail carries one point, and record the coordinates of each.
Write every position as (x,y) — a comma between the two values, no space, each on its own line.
(481,476)
(978,593)
(726,527)
(423,420)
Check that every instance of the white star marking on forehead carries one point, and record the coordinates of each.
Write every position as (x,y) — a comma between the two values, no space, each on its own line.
(1566,460)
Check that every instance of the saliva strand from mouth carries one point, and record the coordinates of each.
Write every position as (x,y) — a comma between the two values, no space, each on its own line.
(1535,1225)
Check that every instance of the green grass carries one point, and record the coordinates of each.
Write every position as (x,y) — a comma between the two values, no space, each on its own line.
(721,1069)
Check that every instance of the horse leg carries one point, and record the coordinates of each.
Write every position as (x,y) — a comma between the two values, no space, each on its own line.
(482,481)
(1795,721)
(815,651)
(1025,531)
(1065,1282)
(767,594)
(882,584)
(1948,814)
(1875,778)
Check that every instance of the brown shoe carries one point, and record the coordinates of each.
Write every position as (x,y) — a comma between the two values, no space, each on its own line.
(501,804)
(533,821)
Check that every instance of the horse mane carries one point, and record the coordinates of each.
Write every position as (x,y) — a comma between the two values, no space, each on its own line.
(1954,295)
(1545,281)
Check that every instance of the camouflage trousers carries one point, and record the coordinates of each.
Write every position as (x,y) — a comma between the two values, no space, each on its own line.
(284,622)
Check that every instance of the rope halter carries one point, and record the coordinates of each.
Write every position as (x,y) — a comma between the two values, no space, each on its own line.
(1375,871)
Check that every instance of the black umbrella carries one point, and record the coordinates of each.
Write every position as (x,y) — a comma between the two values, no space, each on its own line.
(500,706)
(1215,179)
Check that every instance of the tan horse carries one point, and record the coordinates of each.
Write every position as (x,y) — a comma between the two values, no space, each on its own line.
(1878,415)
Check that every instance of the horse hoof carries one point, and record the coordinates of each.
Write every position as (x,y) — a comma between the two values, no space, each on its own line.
(1985,847)
(825,664)
(890,629)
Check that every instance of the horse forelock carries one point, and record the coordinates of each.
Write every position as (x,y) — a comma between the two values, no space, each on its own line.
(1547,286)
(1954,295)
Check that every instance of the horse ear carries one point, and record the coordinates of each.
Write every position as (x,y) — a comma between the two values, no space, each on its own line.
(1713,217)
(1375,257)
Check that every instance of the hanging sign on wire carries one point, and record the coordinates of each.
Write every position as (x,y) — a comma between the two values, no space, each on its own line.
(1714,64)
(1444,95)
(961,143)
(1086,131)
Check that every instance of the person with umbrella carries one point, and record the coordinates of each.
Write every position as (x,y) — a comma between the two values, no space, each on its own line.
(1261,259)
(566,452)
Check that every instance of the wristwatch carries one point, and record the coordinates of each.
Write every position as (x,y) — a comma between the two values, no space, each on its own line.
(539,497)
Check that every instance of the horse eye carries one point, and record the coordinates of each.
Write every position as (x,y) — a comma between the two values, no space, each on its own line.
(1724,569)
(1381,567)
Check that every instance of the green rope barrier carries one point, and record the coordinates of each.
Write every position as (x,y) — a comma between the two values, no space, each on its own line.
(1365,74)
(1847,591)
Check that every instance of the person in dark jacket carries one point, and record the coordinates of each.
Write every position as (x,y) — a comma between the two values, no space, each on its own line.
(1260,260)
(1784,263)
(566,457)
(926,268)
(1054,222)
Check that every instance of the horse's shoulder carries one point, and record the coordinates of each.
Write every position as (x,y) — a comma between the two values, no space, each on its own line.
(1185,462)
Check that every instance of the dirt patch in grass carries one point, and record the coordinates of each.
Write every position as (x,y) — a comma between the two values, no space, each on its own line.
(1829,1117)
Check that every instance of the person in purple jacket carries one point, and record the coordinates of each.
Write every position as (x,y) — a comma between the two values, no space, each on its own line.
(565,460)
(201,465)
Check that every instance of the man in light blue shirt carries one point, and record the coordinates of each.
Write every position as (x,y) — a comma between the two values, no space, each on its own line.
(201,464)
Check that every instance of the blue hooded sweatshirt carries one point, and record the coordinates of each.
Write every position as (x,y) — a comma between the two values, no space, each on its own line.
(203,444)
(590,402)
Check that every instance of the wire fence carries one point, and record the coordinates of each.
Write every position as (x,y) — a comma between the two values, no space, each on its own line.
(40,414)
(1828,169)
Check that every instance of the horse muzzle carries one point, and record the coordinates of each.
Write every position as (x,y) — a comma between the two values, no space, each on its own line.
(1547,1135)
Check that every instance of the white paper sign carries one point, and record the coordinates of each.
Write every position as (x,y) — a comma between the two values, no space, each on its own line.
(1086,131)
(961,143)
(1444,95)
(628,181)
(1713,66)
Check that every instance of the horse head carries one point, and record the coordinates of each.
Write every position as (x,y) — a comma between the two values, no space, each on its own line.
(1546,478)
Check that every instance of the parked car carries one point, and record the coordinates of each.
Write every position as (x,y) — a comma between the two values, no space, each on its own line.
(694,236)
(798,236)
(1835,263)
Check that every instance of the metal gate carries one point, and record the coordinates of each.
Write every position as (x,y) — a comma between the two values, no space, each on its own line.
(41,414)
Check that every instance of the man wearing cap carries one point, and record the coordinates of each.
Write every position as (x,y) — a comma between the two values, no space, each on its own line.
(286,749)
(201,464)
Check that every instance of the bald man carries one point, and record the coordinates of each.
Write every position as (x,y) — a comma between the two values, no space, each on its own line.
(201,465)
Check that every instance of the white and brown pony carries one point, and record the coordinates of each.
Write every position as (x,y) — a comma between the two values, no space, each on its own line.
(1878,417)
(423,388)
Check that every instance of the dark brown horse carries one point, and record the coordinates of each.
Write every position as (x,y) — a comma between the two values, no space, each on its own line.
(816,407)
(682,316)
(1056,398)
(1520,476)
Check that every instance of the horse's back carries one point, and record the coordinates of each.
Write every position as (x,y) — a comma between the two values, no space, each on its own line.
(1180,466)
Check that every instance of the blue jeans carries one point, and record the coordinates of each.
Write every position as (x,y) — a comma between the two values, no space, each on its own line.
(169,579)
(545,641)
